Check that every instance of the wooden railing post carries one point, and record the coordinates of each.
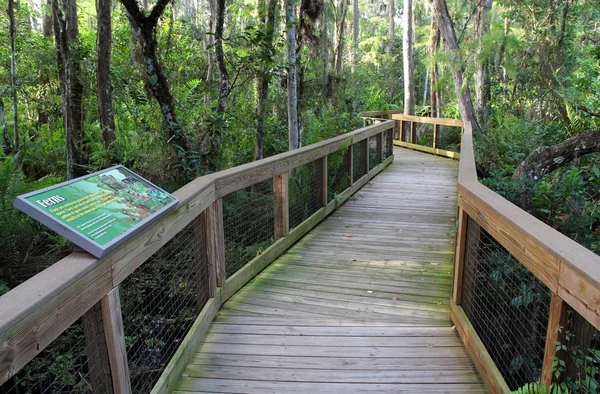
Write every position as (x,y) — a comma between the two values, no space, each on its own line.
(556,319)
(436,135)
(215,240)
(459,257)
(322,167)
(280,202)
(201,241)
(351,163)
(401,131)
(413,132)
(367,151)
(96,350)
(112,321)
(379,139)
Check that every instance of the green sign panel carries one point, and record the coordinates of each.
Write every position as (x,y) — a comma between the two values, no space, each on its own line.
(99,211)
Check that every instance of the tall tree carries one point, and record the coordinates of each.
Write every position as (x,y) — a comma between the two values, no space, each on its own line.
(325,53)
(103,83)
(267,17)
(355,32)
(6,142)
(144,27)
(210,44)
(408,61)
(436,98)
(76,102)
(13,79)
(223,74)
(63,60)
(47,18)
(339,36)
(292,75)
(391,25)
(465,103)
(482,80)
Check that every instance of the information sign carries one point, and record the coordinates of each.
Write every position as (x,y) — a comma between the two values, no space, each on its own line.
(99,211)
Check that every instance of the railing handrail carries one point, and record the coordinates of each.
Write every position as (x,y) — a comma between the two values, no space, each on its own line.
(34,313)
(568,269)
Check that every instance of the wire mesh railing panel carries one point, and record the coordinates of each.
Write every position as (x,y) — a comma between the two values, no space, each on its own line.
(160,302)
(248,223)
(507,306)
(388,143)
(338,172)
(305,191)
(449,138)
(374,156)
(581,355)
(359,160)
(425,134)
(75,362)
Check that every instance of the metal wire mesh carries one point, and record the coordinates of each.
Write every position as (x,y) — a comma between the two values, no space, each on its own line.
(359,160)
(248,224)
(75,362)
(160,302)
(507,305)
(305,192)
(581,372)
(388,143)
(374,152)
(338,172)
(425,134)
(449,138)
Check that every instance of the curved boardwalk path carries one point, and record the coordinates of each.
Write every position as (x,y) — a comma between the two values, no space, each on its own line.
(359,304)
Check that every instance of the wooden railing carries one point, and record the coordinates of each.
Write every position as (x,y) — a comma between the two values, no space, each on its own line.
(569,271)
(35,313)
(406,130)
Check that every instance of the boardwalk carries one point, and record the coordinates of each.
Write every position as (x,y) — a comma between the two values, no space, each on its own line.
(359,304)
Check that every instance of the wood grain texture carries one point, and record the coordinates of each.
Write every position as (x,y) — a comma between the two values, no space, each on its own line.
(358,303)
(427,120)
(459,257)
(482,359)
(112,322)
(281,205)
(557,323)
(96,350)
(428,149)
(215,241)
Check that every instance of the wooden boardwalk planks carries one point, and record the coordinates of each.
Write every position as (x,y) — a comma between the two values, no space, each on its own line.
(360,304)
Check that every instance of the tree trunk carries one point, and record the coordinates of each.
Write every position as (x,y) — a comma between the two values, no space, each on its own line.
(355,31)
(499,56)
(63,61)
(444,23)
(212,21)
(268,18)
(546,159)
(409,65)
(339,37)
(436,102)
(325,54)
(293,127)
(104,48)
(6,142)
(76,101)
(144,29)
(47,19)
(13,81)
(482,80)
(223,75)
(391,25)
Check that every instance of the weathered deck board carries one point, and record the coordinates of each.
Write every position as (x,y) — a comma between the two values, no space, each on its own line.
(359,304)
